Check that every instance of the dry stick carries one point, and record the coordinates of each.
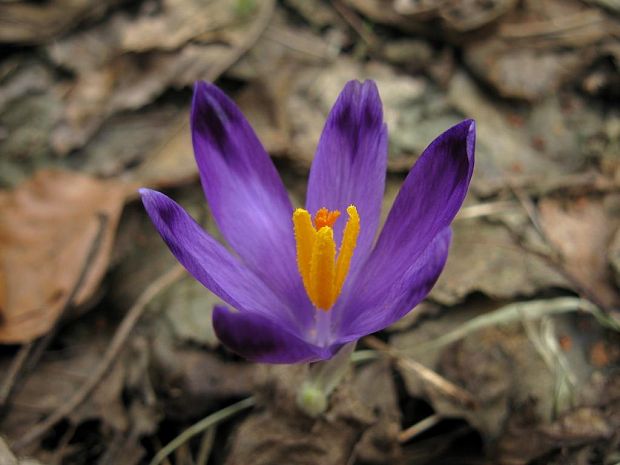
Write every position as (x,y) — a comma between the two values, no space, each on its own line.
(421,426)
(485,209)
(442,384)
(30,354)
(16,365)
(118,341)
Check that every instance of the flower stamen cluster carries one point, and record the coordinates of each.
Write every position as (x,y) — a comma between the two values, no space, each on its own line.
(322,273)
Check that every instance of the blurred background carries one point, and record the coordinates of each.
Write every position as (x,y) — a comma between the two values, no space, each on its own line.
(106,347)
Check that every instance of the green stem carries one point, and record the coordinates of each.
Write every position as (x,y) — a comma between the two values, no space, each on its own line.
(322,379)
(201,426)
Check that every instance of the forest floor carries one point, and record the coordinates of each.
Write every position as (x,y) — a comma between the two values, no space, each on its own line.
(107,352)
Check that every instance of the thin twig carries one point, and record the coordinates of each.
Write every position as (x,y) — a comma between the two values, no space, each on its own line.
(426,374)
(202,425)
(118,341)
(419,427)
(61,448)
(11,377)
(485,209)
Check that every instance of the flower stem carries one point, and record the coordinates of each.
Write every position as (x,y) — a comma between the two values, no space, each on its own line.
(323,378)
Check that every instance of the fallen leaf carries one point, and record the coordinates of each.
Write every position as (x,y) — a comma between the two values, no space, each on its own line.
(521,411)
(127,62)
(29,110)
(193,381)
(178,21)
(539,48)
(521,72)
(158,154)
(35,23)
(485,258)
(453,18)
(280,433)
(581,231)
(375,385)
(510,156)
(7,457)
(118,413)
(56,234)
(171,162)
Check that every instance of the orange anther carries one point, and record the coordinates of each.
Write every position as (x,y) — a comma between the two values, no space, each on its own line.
(324,217)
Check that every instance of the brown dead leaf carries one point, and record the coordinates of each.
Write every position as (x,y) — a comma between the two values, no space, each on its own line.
(539,47)
(35,23)
(7,457)
(452,17)
(172,161)
(126,62)
(485,258)
(280,433)
(581,232)
(56,234)
(119,411)
(176,22)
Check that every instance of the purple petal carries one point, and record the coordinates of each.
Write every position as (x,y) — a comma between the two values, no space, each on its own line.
(366,315)
(260,339)
(350,163)
(245,193)
(209,262)
(426,204)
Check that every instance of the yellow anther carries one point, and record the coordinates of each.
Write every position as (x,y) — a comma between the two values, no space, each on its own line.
(347,246)
(304,238)
(324,217)
(323,269)
(322,273)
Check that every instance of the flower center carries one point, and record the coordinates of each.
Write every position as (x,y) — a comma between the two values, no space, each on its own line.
(323,273)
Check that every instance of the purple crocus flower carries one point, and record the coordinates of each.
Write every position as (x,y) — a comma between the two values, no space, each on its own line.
(300,287)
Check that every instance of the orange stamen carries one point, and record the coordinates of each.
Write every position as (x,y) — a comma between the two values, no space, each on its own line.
(324,217)
(323,273)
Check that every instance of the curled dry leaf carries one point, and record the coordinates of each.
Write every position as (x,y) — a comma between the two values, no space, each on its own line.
(56,233)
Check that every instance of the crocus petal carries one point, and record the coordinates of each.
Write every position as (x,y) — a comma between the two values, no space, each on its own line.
(426,204)
(260,339)
(245,193)
(350,163)
(371,313)
(209,262)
